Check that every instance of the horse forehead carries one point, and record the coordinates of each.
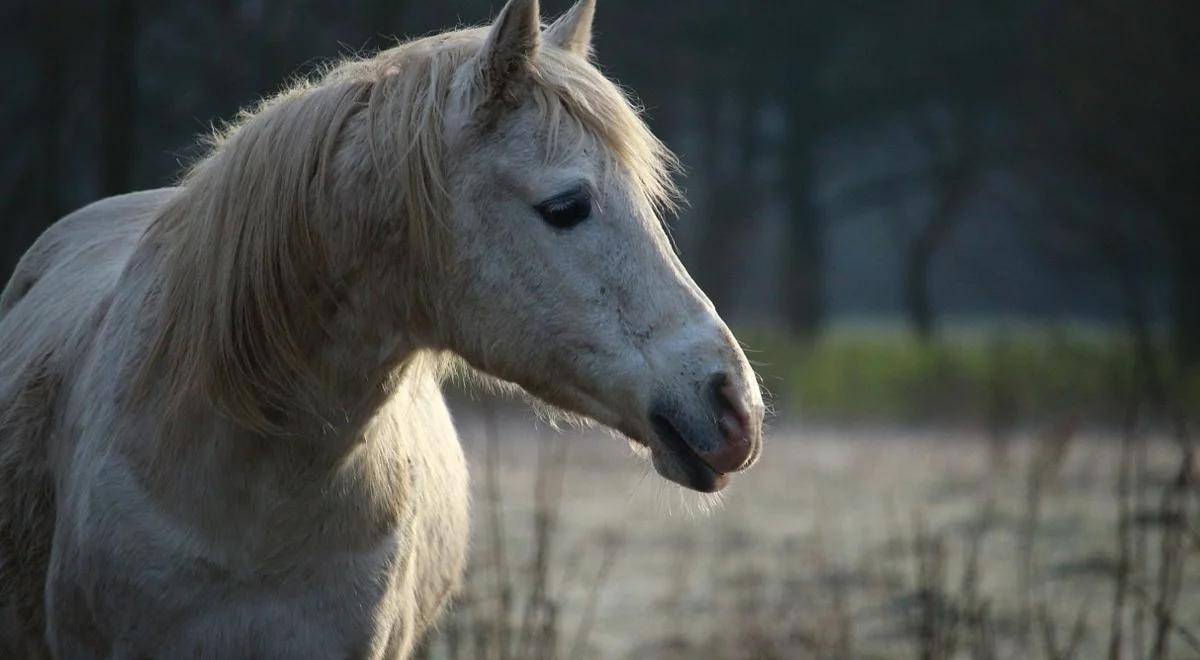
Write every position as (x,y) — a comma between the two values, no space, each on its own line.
(531,129)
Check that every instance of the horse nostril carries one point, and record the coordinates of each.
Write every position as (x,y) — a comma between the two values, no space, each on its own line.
(716,393)
(729,412)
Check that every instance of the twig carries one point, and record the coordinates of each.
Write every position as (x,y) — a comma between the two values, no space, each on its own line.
(1124,516)
(1171,556)
(1187,635)
(547,497)
(612,544)
(1050,635)
(501,622)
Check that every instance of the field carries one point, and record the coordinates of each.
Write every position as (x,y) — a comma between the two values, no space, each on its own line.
(987,373)
(1001,492)
(863,541)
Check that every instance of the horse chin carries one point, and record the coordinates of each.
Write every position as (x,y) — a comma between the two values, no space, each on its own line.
(681,467)
(672,457)
(694,476)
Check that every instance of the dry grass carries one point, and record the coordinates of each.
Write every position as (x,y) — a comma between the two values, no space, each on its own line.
(843,543)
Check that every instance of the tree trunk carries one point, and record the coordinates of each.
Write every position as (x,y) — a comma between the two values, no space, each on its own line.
(1185,289)
(916,284)
(32,201)
(804,266)
(953,180)
(803,258)
(804,244)
(46,203)
(732,200)
(925,246)
(118,102)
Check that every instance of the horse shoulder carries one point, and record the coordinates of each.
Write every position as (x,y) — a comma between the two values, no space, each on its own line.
(49,309)
(27,498)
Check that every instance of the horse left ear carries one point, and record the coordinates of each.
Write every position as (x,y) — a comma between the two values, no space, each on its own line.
(511,44)
(573,30)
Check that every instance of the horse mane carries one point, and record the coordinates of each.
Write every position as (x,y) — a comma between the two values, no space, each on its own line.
(339,165)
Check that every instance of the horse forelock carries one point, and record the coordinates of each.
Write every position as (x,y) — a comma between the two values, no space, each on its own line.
(247,279)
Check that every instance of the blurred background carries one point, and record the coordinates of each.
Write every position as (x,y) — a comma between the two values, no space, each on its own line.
(959,238)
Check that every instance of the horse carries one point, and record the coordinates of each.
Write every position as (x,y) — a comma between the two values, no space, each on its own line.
(222,430)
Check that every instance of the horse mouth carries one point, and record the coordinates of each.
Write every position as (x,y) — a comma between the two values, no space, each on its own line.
(697,474)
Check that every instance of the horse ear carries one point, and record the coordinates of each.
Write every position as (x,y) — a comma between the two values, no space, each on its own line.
(511,43)
(573,30)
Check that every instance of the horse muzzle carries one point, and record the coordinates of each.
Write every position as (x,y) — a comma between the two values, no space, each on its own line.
(700,441)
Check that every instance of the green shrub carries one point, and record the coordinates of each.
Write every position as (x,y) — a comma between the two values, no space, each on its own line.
(878,373)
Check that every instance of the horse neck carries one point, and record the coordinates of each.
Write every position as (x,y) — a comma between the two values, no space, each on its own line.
(368,357)
(362,351)
(251,495)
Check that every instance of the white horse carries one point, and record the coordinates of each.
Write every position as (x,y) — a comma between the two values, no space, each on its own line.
(221,429)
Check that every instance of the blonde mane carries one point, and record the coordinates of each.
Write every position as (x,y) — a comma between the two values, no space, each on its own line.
(324,175)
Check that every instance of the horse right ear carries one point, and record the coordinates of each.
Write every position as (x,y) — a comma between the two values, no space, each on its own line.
(511,44)
(572,31)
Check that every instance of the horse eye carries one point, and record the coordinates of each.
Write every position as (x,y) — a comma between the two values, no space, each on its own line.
(566,210)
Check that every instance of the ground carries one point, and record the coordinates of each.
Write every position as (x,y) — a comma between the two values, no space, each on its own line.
(842,542)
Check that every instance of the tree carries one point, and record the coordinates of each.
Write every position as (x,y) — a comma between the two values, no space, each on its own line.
(955,170)
(1118,86)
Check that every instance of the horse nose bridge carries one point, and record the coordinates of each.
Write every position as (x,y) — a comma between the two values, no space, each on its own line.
(695,349)
(717,361)
(690,341)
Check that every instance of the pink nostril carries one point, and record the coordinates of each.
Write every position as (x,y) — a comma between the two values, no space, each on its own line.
(734,424)
(731,455)
(733,400)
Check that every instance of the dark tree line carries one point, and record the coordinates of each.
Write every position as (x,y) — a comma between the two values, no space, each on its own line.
(1089,107)
(1120,111)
